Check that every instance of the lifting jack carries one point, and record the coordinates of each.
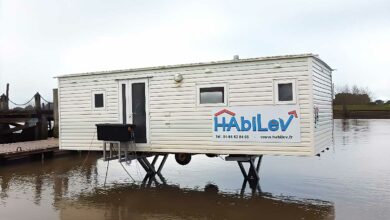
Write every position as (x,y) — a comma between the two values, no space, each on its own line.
(252,175)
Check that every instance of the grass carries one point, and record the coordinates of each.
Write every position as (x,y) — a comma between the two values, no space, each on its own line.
(363,107)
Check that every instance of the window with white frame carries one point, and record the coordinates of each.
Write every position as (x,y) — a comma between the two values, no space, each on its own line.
(212,95)
(98,99)
(284,91)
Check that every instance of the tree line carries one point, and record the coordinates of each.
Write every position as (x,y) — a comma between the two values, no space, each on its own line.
(355,95)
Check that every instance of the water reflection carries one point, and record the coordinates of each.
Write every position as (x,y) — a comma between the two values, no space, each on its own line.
(51,172)
(73,188)
(131,201)
(350,182)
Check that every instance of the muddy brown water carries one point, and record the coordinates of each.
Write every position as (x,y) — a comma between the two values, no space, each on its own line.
(350,181)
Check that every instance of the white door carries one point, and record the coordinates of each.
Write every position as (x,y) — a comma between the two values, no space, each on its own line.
(134,107)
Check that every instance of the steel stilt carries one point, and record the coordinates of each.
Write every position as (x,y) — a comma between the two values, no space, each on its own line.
(252,175)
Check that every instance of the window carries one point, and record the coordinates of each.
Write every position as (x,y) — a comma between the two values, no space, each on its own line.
(213,95)
(284,91)
(98,100)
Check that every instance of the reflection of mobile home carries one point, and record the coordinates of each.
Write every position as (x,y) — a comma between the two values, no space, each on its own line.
(278,105)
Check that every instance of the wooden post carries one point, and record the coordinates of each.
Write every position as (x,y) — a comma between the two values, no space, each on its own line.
(7,90)
(3,105)
(4,138)
(5,126)
(55,113)
(43,134)
(39,134)
(7,97)
(37,98)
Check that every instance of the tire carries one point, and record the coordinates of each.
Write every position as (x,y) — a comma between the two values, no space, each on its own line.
(182,158)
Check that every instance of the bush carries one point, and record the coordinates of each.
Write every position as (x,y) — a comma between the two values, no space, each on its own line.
(351,99)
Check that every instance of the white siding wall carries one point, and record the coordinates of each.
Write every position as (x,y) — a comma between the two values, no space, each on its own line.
(322,99)
(177,123)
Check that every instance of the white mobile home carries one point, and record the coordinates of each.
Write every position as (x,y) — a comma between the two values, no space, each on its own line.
(279,105)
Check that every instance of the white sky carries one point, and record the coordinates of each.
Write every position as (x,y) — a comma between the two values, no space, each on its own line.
(41,39)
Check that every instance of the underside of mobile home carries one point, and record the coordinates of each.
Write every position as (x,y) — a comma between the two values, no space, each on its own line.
(278,105)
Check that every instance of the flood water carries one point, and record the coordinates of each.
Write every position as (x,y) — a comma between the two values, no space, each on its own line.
(350,181)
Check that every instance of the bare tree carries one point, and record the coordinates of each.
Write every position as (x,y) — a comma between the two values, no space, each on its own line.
(355,90)
(352,96)
(342,89)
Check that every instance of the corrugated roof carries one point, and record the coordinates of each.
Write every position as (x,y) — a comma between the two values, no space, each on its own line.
(197,64)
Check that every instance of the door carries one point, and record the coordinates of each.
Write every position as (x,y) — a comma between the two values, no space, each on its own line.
(134,107)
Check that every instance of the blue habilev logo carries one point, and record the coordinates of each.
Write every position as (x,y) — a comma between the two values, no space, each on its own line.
(254,123)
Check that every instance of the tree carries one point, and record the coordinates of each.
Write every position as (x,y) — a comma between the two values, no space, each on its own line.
(379,102)
(354,96)
(355,90)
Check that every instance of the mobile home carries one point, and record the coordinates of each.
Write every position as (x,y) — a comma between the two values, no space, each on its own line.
(280,105)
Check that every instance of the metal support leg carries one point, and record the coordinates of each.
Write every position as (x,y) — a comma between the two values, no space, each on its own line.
(242,169)
(243,187)
(151,168)
(146,168)
(119,152)
(164,182)
(111,145)
(253,171)
(126,150)
(259,163)
(151,171)
(155,159)
(150,178)
(252,176)
(145,180)
(162,164)
(104,150)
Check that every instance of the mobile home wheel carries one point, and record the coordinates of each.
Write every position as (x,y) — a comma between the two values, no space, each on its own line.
(182,158)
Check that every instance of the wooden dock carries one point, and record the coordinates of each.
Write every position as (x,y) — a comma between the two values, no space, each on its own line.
(29,149)
(37,119)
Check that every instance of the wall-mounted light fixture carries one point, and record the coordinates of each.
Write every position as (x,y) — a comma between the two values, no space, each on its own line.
(178,77)
(208,70)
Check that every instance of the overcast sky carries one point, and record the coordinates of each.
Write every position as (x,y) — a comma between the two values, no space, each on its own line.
(41,39)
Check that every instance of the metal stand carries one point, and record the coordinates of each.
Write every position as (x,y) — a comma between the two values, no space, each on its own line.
(120,150)
(149,179)
(252,176)
(111,150)
(117,150)
(151,169)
